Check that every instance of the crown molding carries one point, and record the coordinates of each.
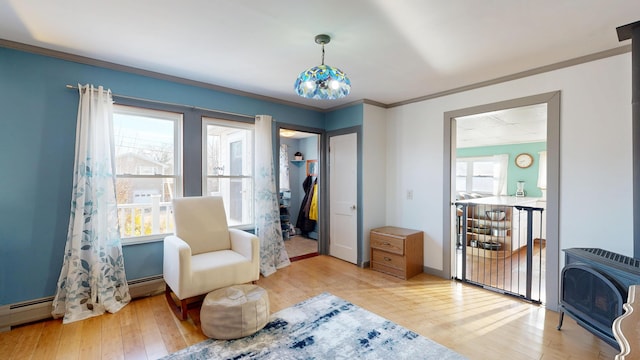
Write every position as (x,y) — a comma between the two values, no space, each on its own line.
(129,69)
(137,71)
(539,70)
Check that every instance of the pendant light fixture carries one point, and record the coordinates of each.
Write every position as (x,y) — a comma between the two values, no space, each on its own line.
(323,81)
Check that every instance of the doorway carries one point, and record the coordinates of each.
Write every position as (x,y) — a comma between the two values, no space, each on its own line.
(299,175)
(499,187)
(506,245)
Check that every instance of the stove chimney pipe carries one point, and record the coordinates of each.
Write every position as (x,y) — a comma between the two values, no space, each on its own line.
(626,32)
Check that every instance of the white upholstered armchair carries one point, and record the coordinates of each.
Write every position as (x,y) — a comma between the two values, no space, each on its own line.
(204,254)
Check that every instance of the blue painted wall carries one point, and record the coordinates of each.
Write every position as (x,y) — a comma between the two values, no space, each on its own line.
(344,118)
(37,140)
(514,173)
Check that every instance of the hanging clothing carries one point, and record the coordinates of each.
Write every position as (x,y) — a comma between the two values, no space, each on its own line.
(307,204)
(313,210)
(303,223)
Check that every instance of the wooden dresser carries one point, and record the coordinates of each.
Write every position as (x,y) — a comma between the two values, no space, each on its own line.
(397,251)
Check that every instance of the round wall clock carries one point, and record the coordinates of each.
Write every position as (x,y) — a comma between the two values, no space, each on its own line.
(524,160)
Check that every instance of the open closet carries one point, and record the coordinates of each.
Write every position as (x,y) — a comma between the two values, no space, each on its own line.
(299,156)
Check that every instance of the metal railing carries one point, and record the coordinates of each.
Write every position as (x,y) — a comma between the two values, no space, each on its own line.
(499,248)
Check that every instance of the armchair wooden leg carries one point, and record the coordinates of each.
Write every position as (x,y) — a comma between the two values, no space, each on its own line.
(180,311)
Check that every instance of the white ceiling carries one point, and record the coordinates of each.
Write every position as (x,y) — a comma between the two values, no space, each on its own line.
(512,126)
(393,51)
(293,134)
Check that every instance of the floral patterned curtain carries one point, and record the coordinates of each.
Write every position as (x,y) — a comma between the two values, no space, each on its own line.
(92,278)
(284,168)
(273,255)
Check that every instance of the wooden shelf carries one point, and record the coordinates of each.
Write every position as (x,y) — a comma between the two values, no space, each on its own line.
(476,218)
(489,254)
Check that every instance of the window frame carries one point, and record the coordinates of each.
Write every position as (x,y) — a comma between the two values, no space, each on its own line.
(250,126)
(177,118)
(470,160)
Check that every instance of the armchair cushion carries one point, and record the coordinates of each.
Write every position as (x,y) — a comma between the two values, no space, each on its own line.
(202,223)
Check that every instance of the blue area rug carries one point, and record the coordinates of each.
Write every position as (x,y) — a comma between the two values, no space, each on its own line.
(323,327)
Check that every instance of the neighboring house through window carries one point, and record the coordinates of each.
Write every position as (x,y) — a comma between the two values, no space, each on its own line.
(148,153)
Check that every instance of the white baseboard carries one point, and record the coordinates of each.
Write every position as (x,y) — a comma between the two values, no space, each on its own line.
(149,286)
(40,309)
(25,312)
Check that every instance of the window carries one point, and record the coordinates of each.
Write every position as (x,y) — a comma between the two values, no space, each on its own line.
(148,171)
(478,175)
(228,167)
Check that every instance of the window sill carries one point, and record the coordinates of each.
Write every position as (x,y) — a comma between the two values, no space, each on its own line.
(247,228)
(144,239)
(160,237)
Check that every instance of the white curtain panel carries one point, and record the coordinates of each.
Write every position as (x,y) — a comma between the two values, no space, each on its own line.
(92,279)
(542,170)
(273,255)
(542,173)
(285,184)
(500,167)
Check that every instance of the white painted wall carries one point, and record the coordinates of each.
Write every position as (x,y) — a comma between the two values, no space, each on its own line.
(374,170)
(595,156)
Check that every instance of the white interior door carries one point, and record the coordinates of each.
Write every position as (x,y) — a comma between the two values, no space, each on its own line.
(343,185)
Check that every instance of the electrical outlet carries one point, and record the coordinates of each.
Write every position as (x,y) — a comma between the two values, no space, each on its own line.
(409,194)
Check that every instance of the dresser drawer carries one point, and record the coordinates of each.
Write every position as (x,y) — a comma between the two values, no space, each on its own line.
(388,259)
(389,270)
(389,243)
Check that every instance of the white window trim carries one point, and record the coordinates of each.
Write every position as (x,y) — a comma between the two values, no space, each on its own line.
(178,120)
(207,120)
(469,177)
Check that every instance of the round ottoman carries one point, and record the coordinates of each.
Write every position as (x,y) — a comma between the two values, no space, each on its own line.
(234,312)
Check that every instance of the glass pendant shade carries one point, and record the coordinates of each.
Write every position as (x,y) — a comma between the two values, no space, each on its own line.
(323,81)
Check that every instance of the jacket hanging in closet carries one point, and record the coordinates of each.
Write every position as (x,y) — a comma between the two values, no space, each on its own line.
(304,223)
(313,209)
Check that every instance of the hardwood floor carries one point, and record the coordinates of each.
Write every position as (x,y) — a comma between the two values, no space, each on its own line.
(299,247)
(509,273)
(474,322)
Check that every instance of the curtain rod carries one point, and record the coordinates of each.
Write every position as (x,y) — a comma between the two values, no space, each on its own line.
(172,104)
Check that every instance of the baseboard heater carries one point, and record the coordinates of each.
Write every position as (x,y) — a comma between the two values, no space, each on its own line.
(40,309)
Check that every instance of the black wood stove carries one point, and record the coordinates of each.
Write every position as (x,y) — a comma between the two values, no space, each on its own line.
(594,286)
